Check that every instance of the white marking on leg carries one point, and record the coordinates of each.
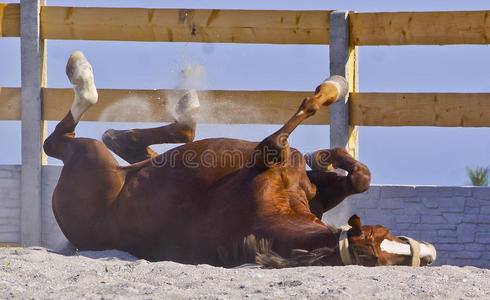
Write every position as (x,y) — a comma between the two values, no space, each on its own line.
(395,247)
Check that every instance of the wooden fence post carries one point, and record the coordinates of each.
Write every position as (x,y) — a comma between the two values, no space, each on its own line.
(344,62)
(32,52)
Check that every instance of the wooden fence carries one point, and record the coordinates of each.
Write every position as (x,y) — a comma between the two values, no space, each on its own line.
(343,31)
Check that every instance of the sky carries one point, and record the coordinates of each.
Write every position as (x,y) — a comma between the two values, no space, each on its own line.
(395,155)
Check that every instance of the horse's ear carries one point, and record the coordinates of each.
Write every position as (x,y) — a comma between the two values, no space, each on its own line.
(355,223)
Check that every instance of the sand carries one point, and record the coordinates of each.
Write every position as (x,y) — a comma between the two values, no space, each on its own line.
(40,273)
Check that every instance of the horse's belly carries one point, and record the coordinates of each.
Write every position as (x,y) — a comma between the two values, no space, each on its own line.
(173,209)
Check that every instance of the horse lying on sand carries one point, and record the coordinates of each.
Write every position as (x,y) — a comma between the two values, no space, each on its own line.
(242,202)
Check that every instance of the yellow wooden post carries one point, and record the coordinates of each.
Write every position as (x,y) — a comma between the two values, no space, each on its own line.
(343,62)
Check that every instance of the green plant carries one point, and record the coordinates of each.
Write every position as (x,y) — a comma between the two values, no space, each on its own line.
(478,175)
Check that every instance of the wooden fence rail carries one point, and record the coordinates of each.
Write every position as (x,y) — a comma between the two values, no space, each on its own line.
(250,26)
(266,107)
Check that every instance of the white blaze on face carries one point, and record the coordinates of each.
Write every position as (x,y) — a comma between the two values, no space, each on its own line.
(395,247)
(404,249)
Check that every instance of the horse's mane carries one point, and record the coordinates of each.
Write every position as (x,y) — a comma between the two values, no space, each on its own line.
(243,251)
(299,257)
(251,249)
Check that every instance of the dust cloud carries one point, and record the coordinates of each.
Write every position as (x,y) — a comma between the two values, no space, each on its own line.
(127,109)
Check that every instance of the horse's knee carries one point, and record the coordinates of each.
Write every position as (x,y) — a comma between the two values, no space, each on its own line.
(310,105)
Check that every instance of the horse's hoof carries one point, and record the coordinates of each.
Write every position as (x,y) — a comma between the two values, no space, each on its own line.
(187,108)
(117,141)
(319,160)
(79,71)
(121,143)
(341,84)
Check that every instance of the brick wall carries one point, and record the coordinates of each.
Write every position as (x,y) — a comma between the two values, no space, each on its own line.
(10,207)
(51,235)
(455,219)
(9,204)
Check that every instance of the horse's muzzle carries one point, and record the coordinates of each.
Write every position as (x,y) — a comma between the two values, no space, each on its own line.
(422,253)
(428,254)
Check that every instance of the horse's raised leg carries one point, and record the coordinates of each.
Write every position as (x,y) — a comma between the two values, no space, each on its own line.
(91,179)
(79,72)
(332,187)
(274,149)
(132,145)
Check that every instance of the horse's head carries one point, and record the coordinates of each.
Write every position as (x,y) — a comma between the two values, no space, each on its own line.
(376,246)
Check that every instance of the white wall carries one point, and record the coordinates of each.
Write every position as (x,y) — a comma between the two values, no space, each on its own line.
(455,219)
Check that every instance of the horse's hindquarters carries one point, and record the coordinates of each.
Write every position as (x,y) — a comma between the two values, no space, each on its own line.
(85,195)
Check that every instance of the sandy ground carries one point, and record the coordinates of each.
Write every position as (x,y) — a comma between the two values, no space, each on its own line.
(39,273)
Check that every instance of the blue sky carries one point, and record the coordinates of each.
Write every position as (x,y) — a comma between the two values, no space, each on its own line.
(395,155)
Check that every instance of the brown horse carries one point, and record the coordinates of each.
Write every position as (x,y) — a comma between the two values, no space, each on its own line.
(217,201)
